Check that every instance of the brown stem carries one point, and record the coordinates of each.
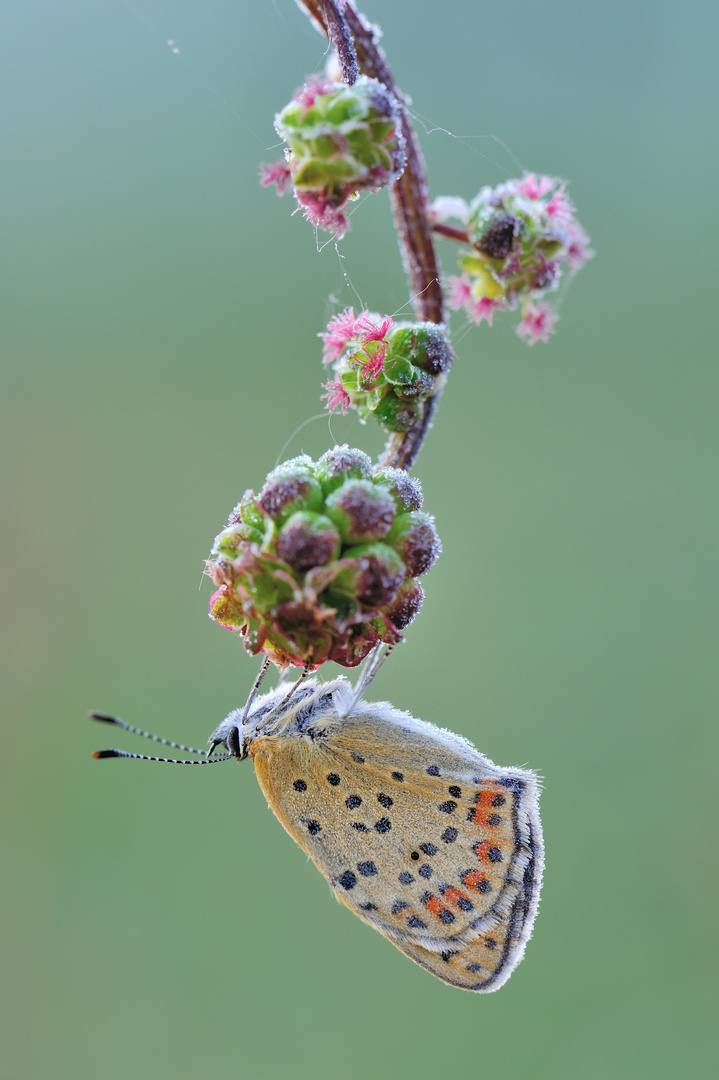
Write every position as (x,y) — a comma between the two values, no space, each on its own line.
(341,39)
(410,206)
(451,233)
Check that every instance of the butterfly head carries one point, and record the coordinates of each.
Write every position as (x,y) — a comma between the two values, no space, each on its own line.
(275,710)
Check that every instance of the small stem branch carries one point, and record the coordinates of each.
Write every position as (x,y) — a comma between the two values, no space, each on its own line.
(461,235)
(410,206)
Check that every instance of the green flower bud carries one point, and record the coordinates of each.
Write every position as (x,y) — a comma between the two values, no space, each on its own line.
(414,536)
(340,464)
(381,572)
(247,511)
(361,511)
(340,139)
(396,414)
(291,487)
(406,605)
(308,540)
(230,539)
(425,344)
(406,490)
(319,574)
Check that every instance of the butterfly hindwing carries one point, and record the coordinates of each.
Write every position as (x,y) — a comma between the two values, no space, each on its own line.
(417,832)
(484,962)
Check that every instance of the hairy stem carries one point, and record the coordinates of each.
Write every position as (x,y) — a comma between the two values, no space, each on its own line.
(460,235)
(410,205)
(338,33)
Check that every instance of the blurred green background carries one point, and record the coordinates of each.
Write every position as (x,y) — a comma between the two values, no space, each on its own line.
(159,313)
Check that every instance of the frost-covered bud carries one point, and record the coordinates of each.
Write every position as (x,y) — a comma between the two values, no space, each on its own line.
(405,489)
(291,487)
(425,344)
(319,565)
(340,464)
(308,540)
(415,538)
(523,234)
(340,140)
(383,368)
(229,540)
(247,511)
(361,511)
(406,605)
(380,572)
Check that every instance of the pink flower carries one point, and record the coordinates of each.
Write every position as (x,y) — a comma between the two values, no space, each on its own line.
(538,323)
(373,365)
(337,397)
(545,272)
(276,173)
(512,265)
(578,250)
(534,188)
(460,293)
(340,330)
(484,309)
(312,89)
(320,210)
(559,208)
(370,331)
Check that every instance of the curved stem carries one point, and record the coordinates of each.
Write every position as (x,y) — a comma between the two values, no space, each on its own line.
(410,207)
(341,40)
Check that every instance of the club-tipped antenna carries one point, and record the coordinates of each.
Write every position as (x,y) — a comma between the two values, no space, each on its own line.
(100,754)
(105,718)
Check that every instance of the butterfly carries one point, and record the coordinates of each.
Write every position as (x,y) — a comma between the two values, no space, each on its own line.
(417,833)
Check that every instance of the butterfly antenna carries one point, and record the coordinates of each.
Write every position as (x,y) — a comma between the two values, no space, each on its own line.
(255,687)
(100,754)
(105,718)
(281,704)
(367,675)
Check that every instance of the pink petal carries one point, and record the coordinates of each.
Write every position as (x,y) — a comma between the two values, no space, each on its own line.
(337,397)
(537,324)
(276,173)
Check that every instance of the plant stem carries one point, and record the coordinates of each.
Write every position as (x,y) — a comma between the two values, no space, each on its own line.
(338,33)
(461,235)
(410,206)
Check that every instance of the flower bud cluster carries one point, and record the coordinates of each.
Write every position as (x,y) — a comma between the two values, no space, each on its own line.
(383,368)
(523,234)
(323,563)
(340,140)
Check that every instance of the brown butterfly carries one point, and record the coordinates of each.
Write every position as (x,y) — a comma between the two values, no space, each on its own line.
(417,832)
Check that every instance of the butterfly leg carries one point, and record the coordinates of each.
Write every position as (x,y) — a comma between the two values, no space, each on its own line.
(367,675)
(281,704)
(362,678)
(255,687)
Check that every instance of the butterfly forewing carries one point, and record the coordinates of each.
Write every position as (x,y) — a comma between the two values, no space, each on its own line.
(417,832)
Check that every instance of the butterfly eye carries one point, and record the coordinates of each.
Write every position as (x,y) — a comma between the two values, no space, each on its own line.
(233,742)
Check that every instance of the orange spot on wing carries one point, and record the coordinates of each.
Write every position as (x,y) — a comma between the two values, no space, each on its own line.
(435,905)
(473,878)
(483,800)
(482,850)
(454,896)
